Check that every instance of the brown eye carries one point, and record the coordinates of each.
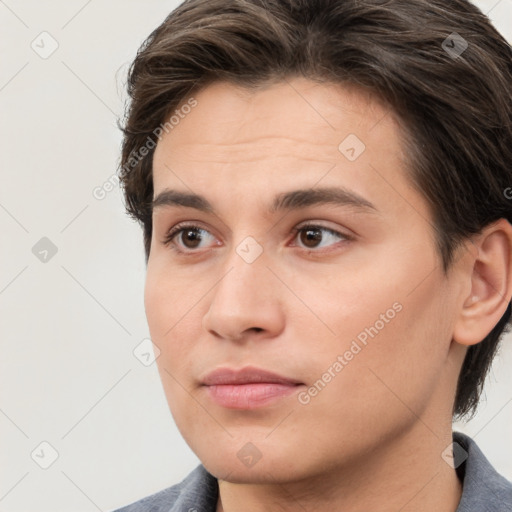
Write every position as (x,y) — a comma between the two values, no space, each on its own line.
(311,237)
(183,238)
(314,237)
(191,237)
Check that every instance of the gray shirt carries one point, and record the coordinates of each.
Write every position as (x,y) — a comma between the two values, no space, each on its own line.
(484,490)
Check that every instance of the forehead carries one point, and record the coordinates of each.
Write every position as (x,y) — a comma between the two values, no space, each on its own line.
(240,149)
(296,116)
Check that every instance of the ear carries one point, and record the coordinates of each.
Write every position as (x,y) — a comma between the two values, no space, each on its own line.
(490,286)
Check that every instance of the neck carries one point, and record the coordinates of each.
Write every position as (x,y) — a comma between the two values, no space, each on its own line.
(407,474)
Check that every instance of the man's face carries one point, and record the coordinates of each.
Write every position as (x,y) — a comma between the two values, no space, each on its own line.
(311,257)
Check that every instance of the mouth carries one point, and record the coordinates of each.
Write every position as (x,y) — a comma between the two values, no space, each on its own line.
(247,388)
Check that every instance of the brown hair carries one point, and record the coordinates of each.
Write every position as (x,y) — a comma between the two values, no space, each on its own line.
(441,66)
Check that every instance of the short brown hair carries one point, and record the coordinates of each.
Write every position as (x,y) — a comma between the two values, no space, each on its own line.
(441,66)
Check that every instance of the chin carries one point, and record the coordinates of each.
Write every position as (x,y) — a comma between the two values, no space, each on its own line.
(244,462)
(263,472)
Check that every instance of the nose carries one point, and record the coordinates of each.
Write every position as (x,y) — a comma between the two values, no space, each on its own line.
(246,302)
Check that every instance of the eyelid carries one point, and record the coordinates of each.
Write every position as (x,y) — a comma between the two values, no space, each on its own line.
(318,224)
(175,230)
(343,239)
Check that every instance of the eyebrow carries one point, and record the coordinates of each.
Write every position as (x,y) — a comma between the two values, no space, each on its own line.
(286,201)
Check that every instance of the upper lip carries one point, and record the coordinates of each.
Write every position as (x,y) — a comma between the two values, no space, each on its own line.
(247,375)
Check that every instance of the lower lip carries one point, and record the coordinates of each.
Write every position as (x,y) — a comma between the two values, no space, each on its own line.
(249,396)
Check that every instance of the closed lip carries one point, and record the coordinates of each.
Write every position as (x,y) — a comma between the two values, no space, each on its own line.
(246,375)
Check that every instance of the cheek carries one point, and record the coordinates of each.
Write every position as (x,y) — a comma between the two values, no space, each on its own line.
(167,312)
(169,325)
(390,325)
(158,305)
(391,369)
(170,298)
(175,304)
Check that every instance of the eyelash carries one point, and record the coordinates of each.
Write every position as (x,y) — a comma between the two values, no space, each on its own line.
(180,228)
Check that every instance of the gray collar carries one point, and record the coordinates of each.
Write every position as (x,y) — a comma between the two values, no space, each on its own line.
(484,489)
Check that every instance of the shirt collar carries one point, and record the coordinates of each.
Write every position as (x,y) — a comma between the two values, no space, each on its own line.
(483,488)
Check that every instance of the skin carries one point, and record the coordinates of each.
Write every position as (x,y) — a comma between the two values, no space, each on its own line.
(372,438)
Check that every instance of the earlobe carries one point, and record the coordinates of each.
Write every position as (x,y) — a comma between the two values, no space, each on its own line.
(491,284)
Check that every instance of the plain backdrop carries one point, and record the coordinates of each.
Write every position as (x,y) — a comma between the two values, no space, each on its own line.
(73,395)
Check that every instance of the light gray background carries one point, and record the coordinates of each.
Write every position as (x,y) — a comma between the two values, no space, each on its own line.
(68,375)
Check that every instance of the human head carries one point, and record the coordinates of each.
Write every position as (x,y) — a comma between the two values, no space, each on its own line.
(455,109)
